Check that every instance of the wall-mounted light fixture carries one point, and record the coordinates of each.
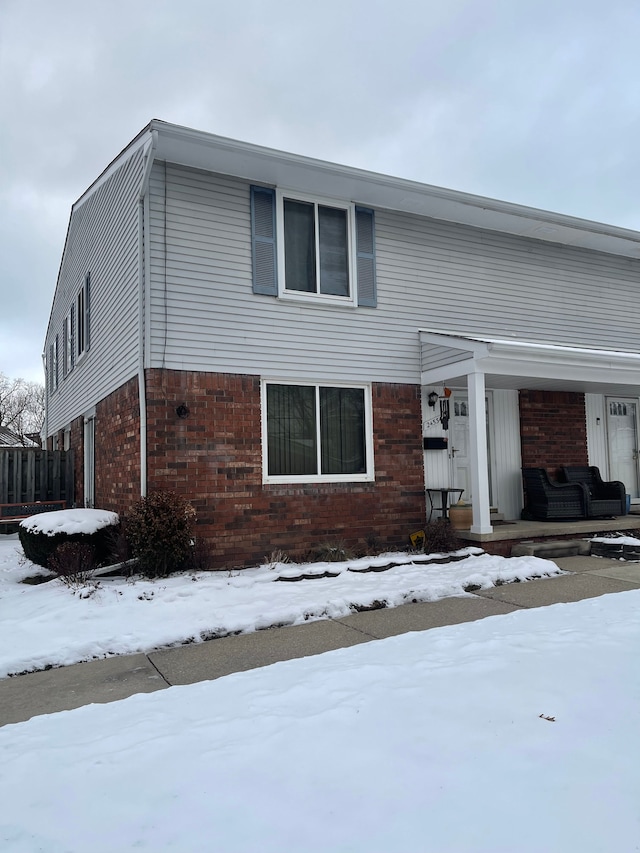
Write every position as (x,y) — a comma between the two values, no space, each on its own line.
(432,399)
(182,411)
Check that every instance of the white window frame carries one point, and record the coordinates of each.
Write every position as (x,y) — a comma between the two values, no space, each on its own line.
(320,298)
(68,359)
(367,477)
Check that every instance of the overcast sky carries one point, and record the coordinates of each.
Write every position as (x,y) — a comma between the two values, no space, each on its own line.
(531,101)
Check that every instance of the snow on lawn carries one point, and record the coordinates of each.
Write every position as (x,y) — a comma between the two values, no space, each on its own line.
(514,734)
(50,625)
(618,539)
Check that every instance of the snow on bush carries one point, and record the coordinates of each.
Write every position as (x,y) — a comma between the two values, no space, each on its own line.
(70,521)
(41,535)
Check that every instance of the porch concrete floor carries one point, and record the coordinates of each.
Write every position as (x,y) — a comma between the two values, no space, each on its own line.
(536,530)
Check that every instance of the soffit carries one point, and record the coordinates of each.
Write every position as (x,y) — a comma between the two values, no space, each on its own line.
(518,365)
(267,166)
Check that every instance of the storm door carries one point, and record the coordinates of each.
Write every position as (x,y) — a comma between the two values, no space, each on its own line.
(459,445)
(622,433)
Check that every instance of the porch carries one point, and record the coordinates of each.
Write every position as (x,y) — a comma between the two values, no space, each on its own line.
(482,367)
(508,534)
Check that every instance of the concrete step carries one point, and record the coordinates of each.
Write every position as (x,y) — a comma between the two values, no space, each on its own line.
(550,549)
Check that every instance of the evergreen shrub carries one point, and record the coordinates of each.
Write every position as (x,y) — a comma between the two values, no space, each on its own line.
(39,547)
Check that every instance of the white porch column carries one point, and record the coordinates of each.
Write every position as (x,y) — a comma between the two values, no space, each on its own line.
(478,463)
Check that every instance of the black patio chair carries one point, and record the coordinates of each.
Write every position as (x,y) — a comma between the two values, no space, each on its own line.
(547,500)
(605,497)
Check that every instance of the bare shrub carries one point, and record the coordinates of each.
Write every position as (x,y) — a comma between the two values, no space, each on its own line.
(440,538)
(276,557)
(73,563)
(333,552)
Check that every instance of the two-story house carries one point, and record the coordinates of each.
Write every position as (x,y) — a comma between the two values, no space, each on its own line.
(302,349)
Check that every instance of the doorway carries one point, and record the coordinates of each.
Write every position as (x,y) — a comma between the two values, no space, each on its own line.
(622,435)
(459,445)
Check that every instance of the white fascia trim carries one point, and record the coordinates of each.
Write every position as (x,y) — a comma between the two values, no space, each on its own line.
(532,360)
(200,150)
(143,139)
(476,343)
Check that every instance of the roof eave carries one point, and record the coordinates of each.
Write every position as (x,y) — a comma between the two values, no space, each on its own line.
(209,152)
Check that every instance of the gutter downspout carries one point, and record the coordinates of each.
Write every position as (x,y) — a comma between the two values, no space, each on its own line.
(143,286)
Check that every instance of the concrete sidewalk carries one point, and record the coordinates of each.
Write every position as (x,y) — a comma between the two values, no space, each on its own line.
(26,696)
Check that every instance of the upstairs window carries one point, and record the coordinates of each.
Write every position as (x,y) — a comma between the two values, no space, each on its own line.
(83,317)
(317,433)
(68,342)
(56,362)
(52,365)
(311,248)
(317,257)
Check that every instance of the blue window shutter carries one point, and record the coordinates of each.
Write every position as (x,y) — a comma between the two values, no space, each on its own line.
(73,337)
(87,311)
(65,346)
(263,240)
(366,257)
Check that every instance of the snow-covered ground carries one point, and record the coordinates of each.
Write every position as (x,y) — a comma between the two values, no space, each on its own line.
(515,734)
(49,624)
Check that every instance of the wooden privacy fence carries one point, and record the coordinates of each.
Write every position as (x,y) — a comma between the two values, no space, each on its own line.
(30,475)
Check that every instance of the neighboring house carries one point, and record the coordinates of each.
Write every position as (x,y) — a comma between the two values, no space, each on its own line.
(274,337)
(12,439)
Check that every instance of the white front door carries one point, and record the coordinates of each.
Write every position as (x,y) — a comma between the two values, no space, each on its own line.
(622,432)
(459,445)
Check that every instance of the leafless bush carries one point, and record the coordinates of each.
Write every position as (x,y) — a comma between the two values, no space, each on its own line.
(73,563)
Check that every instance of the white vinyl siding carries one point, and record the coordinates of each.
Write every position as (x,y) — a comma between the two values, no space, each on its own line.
(504,437)
(430,275)
(102,240)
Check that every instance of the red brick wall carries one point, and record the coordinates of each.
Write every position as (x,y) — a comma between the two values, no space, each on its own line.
(214,458)
(117,448)
(553,429)
(77,445)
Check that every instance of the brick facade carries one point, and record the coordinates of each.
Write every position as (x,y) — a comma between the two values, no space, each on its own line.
(77,445)
(553,428)
(214,458)
(117,449)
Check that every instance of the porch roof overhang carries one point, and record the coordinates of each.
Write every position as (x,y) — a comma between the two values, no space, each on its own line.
(513,364)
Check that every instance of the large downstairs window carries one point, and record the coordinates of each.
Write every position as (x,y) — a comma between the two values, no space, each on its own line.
(317,433)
